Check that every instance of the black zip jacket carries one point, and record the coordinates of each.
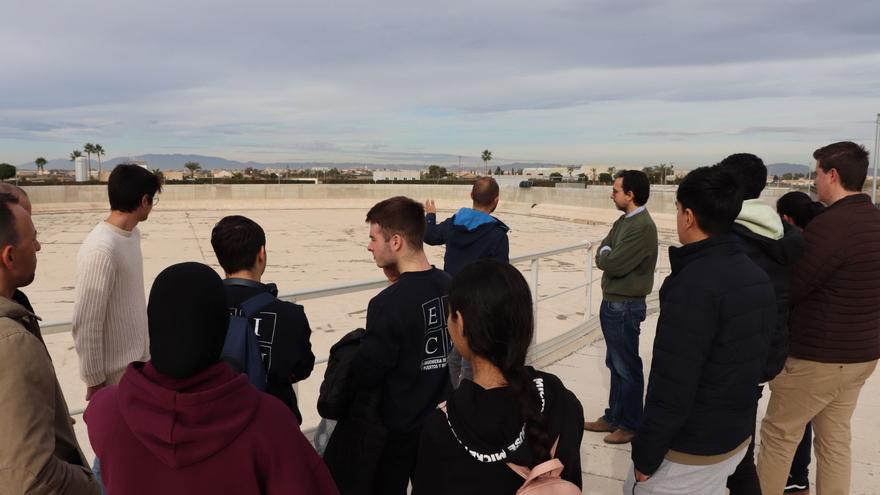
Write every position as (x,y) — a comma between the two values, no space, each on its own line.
(776,258)
(469,235)
(717,313)
(284,333)
(487,422)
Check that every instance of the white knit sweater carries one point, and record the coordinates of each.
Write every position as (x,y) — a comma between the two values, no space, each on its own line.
(110,313)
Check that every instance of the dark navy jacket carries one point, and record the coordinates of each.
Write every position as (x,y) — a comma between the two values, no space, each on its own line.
(469,235)
(717,314)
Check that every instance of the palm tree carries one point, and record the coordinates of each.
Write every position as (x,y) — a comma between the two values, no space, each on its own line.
(40,163)
(75,154)
(89,148)
(193,166)
(158,173)
(593,169)
(487,156)
(611,171)
(99,150)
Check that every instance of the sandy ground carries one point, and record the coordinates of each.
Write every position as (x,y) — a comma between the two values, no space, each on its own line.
(310,244)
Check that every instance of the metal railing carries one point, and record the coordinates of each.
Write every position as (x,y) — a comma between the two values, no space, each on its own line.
(540,353)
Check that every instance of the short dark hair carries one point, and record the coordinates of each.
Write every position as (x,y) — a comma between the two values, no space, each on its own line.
(8,230)
(849,159)
(799,206)
(715,197)
(237,241)
(400,215)
(636,182)
(129,183)
(749,170)
(485,191)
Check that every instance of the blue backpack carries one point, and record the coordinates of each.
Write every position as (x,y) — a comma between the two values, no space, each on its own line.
(242,348)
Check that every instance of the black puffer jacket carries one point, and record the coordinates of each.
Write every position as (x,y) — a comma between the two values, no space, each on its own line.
(354,448)
(717,312)
(776,258)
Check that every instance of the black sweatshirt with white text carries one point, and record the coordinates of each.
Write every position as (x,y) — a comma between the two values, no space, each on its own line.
(405,348)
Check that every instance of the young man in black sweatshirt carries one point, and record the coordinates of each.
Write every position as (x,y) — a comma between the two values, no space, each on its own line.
(282,327)
(717,312)
(405,348)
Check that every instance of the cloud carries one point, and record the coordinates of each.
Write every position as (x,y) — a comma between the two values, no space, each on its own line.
(549,80)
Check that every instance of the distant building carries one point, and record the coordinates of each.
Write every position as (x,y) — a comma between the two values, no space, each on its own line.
(545,172)
(81,168)
(141,163)
(172,175)
(379,175)
(221,174)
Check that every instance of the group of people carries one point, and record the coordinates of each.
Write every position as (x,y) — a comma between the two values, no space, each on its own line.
(788,298)
(435,393)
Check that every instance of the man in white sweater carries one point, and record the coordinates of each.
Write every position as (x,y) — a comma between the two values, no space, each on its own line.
(110,312)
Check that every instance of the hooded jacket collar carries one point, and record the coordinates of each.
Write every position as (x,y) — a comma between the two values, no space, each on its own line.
(185,421)
(15,311)
(760,219)
(470,219)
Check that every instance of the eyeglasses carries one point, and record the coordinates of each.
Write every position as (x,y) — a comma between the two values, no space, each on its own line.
(154,200)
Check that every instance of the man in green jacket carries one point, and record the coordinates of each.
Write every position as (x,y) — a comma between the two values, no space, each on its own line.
(39,453)
(628,256)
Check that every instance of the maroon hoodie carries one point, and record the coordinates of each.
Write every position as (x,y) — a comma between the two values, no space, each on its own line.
(212,433)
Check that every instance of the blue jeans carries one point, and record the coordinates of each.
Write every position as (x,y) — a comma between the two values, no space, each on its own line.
(621,327)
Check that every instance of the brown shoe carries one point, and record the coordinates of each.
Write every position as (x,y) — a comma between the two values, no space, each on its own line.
(600,425)
(619,436)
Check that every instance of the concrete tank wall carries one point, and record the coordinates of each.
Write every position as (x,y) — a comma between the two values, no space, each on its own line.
(662,197)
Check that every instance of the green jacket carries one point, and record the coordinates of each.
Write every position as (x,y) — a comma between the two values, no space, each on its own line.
(39,454)
(629,264)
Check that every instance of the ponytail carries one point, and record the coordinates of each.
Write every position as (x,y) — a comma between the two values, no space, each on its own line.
(531,403)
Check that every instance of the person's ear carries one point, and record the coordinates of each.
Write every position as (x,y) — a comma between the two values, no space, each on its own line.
(690,220)
(146,201)
(6,258)
(396,242)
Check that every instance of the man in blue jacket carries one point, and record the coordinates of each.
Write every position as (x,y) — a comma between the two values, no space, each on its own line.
(717,313)
(472,233)
(469,235)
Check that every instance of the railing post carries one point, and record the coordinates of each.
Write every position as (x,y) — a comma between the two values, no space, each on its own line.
(588,311)
(535,298)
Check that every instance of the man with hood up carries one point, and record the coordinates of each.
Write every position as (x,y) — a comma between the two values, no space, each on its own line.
(469,235)
(774,246)
(185,422)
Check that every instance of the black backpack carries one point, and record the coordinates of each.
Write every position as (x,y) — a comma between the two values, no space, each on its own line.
(241,348)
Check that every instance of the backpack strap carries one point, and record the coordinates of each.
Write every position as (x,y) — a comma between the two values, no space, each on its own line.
(543,468)
(253,305)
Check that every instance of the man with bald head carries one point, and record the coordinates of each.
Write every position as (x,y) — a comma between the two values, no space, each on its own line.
(469,235)
(472,233)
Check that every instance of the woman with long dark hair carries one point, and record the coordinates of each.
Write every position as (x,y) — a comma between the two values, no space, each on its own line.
(510,412)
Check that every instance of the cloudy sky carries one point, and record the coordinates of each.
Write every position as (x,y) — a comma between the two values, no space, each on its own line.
(613,82)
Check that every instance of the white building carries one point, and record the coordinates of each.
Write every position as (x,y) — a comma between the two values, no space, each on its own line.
(379,175)
(81,169)
(545,172)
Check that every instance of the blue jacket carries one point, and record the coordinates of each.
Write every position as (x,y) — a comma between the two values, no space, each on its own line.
(469,235)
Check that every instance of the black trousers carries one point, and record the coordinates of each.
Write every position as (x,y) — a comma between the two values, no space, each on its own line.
(397,465)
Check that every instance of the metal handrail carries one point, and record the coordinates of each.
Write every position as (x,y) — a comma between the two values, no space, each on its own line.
(340,289)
